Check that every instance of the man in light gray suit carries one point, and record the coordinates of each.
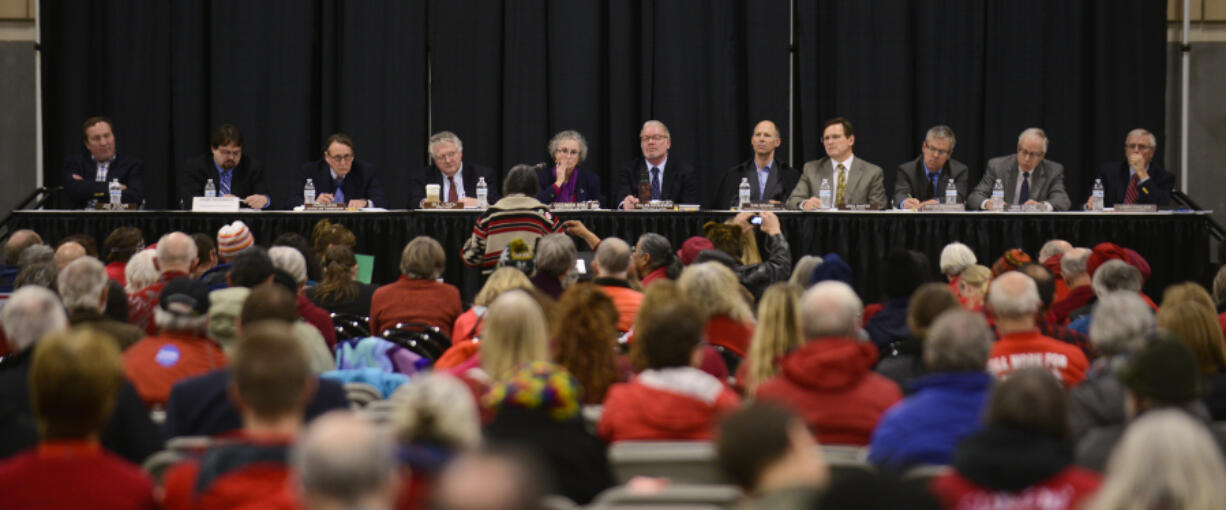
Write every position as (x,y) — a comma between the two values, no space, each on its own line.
(852,180)
(922,181)
(1028,178)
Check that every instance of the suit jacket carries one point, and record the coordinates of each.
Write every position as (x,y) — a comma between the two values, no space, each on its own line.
(912,181)
(779,184)
(129,170)
(1046,183)
(360,183)
(430,174)
(247,179)
(200,406)
(587,186)
(865,183)
(680,181)
(1155,190)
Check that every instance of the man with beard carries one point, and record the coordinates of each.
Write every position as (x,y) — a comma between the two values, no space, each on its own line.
(232,174)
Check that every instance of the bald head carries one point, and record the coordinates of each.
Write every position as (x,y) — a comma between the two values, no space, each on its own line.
(176,252)
(612,258)
(17,243)
(1013,295)
(1073,264)
(1052,248)
(67,253)
(830,308)
(343,461)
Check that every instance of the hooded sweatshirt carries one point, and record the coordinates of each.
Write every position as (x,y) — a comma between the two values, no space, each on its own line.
(829,381)
(677,403)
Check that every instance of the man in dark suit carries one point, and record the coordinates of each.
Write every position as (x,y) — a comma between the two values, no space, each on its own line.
(201,406)
(770,180)
(87,177)
(447,152)
(341,178)
(1028,178)
(853,181)
(232,174)
(1135,180)
(922,181)
(664,178)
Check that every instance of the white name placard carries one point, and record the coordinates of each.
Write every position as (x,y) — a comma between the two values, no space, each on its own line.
(214,204)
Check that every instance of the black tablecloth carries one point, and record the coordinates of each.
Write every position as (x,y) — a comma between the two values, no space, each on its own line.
(1175,245)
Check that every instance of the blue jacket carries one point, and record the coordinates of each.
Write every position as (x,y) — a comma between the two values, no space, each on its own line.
(889,325)
(925,427)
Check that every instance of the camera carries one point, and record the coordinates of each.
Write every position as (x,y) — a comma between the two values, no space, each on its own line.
(756,220)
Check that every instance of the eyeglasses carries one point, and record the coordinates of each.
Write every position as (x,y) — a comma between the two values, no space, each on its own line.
(938,152)
(568,152)
(1138,147)
(230,154)
(339,157)
(1031,155)
(653,138)
(447,155)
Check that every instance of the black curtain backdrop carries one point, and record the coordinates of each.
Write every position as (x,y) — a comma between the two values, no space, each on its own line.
(506,76)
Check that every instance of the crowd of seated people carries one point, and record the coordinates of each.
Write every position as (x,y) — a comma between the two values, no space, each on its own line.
(1052,381)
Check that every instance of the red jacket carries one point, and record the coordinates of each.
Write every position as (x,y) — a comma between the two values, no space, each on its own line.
(636,411)
(156,363)
(729,334)
(1066,490)
(319,318)
(72,474)
(414,300)
(1032,349)
(625,299)
(1077,298)
(830,383)
(142,302)
(228,476)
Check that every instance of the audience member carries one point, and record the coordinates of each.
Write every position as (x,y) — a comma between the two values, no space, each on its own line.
(901,273)
(42,274)
(538,408)
(1014,303)
(516,334)
(1112,276)
(83,289)
(1165,460)
(233,240)
(948,402)
(119,247)
(829,380)
(555,264)
(17,243)
(1196,326)
(206,254)
(1122,326)
(498,478)
(691,247)
(417,296)
(1219,296)
(1021,458)
(1045,281)
(68,252)
(671,398)
(1010,261)
(225,304)
(1073,271)
(665,292)
(867,489)
(339,291)
(769,452)
(955,258)
(343,461)
(435,419)
(654,259)
(326,234)
(753,272)
(905,360)
(470,324)
(291,261)
(803,271)
(517,215)
(777,334)
(715,290)
(612,267)
(36,254)
(1050,256)
(175,258)
(584,340)
(295,240)
(271,383)
(140,272)
(180,349)
(973,286)
(74,382)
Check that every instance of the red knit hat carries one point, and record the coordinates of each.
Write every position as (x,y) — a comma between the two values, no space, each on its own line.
(1011,260)
(1102,253)
(692,247)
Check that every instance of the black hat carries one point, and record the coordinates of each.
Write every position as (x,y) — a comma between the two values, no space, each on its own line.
(1164,371)
(185,296)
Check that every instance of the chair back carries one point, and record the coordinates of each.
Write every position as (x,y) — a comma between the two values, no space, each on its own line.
(690,462)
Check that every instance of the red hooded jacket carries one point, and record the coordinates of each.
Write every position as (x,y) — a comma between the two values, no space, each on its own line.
(636,411)
(829,381)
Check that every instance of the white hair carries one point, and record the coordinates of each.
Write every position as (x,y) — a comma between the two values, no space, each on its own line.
(1116,275)
(1073,263)
(140,271)
(81,283)
(1121,323)
(1014,295)
(437,408)
(830,308)
(1052,248)
(443,137)
(30,314)
(290,260)
(956,257)
(658,124)
(170,321)
(958,341)
(344,460)
(1153,140)
(1165,460)
(1035,132)
(942,132)
(176,250)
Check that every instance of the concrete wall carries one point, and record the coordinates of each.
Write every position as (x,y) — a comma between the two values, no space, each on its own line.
(1207,114)
(18,146)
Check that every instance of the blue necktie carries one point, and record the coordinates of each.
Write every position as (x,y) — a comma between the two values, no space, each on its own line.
(338,195)
(935,178)
(655,183)
(226,178)
(1024,194)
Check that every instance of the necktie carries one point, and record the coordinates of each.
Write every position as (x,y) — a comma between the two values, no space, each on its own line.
(101,176)
(1130,196)
(841,181)
(655,183)
(1024,194)
(936,179)
(452,195)
(226,178)
(338,195)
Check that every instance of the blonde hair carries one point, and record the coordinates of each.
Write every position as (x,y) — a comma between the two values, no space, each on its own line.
(502,280)
(716,290)
(1164,460)
(977,275)
(1197,327)
(778,332)
(515,334)
(1187,291)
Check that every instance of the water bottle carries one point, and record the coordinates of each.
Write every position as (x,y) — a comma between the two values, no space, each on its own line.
(744,194)
(951,193)
(1097,193)
(483,193)
(308,192)
(116,194)
(210,189)
(825,194)
(998,195)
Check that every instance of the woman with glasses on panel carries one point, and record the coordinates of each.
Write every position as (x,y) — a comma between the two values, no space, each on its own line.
(565,181)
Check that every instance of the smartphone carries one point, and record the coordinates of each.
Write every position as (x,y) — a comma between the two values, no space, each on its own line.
(756,220)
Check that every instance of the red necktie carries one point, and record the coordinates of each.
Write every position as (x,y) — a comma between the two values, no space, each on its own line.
(1130,196)
(452,195)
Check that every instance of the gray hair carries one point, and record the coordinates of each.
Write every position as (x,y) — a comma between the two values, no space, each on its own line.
(830,308)
(439,409)
(140,271)
(1073,263)
(1035,132)
(958,341)
(290,260)
(803,271)
(1116,275)
(35,254)
(42,274)
(1052,248)
(956,257)
(1013,295)
(443,137)
(81,283)
(1153,140)
(177,250)
(170,321)
(1219,286)
(556,254)
(942,132)
(521,179)
(1164,460)
(343,459)
(613,256)
(30,314)
(1121,323)
(569,134)
(658,124)
(658,248)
